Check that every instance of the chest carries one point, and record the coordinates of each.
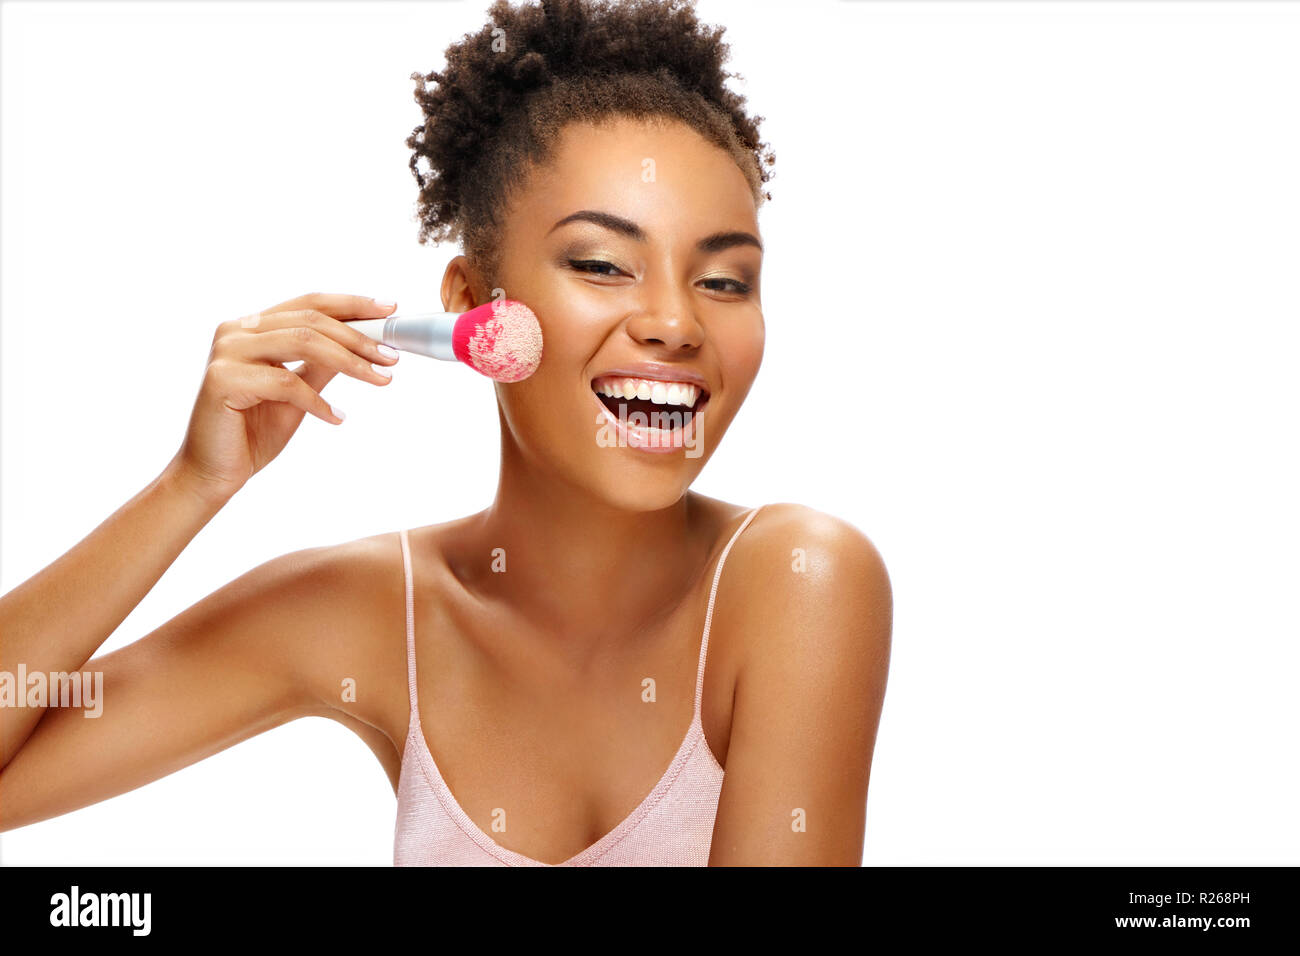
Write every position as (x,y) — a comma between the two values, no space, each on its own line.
(548,749)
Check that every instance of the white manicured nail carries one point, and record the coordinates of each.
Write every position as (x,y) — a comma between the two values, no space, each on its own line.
(383,370)
(337,413)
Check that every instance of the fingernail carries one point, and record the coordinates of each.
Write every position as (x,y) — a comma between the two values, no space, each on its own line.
(383,305)
(383,370)
(387,351)
(337,413)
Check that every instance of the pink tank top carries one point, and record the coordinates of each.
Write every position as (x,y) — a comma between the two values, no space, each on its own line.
(672,826)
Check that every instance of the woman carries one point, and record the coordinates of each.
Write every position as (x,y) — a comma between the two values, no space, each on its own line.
(505,667)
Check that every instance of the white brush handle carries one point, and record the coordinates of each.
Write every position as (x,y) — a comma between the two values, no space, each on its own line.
(424,333)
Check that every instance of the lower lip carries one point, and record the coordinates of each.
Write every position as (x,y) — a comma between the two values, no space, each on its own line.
(651,440)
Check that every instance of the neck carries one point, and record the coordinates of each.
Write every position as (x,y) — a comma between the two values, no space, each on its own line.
(576,565)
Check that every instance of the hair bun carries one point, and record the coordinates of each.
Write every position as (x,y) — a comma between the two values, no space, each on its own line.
(508,89)
(530,69)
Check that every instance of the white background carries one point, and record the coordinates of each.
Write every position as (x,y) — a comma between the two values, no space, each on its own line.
(1031,293)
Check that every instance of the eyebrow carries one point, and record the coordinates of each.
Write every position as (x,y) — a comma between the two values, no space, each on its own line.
(716,242)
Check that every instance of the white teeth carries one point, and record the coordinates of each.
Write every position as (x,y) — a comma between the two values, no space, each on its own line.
(661,393)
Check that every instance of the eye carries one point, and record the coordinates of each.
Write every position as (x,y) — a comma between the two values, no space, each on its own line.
(737,287)
(593,266)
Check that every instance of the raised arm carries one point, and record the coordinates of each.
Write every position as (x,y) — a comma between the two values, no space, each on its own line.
(248,407)
(55,621)
(257,653)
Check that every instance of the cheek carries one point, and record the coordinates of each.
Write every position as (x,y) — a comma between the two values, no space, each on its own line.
(741,349)
(526,403)
(571,318)
(545,403)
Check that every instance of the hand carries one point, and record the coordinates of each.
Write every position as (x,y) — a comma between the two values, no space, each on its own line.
(250,404)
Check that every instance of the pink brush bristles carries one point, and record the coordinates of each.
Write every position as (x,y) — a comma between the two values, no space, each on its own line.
(502,339)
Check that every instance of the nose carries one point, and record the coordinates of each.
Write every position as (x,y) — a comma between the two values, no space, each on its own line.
(668,322)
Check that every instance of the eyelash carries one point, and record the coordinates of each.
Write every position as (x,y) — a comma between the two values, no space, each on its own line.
(738,287)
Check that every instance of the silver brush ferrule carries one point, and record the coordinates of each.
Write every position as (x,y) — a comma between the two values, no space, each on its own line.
(424,333)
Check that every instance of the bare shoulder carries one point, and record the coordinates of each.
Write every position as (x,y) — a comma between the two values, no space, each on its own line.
(361,560)
(803,576)
(802,550)
(347,578)
(321,612)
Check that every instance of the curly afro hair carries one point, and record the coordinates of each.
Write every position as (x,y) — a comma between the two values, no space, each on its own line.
(508,90)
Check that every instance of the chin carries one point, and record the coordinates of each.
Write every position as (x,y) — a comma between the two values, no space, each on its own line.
(605,462)
(635,479)
(629,480)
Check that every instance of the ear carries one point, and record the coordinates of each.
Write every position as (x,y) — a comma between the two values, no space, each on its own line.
(461,287)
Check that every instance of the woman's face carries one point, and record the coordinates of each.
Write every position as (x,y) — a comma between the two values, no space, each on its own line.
(637,248)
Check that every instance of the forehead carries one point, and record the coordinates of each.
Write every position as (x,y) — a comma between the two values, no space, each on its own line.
(661,174)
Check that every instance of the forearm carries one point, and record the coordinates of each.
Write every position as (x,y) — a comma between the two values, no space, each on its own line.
(58,618)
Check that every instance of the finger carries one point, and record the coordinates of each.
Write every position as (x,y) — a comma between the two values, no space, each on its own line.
(316,376)
(337,306)
(241,386)
(363,345)
(301,342)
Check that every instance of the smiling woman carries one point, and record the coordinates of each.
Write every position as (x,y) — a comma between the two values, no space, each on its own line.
(565,708)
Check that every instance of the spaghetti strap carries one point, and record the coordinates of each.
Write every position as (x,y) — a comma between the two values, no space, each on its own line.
(708,616)
(671,826)
(410,625)
(413,694)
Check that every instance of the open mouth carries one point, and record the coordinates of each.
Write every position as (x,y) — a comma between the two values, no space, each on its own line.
(652,415)
(650,402)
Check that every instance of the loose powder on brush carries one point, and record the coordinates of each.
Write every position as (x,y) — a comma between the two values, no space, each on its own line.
(508,346)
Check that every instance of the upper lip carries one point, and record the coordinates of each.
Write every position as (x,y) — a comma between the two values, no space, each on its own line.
(657,371)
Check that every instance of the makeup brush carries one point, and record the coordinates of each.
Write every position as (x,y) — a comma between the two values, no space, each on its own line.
(500,338)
